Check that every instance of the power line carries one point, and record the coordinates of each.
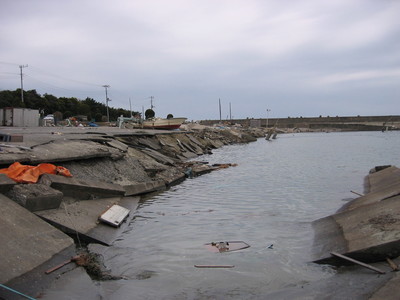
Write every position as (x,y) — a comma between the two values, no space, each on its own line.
(63,78)
(7,63)
(58,87)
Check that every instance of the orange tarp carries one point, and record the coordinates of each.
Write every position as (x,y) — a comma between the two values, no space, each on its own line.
(30,174)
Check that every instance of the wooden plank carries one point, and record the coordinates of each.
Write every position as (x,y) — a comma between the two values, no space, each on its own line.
(357,262)
(358,194)
(392,264)
(215,266)
(115,215)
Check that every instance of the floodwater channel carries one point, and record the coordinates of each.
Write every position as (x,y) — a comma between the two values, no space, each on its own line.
(271,198)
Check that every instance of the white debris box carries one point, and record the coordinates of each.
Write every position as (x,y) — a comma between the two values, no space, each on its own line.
(115,215)
(19,117)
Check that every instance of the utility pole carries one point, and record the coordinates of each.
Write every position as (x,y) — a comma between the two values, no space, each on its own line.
(220,118)
(130,106)
(106,86)
(22,82)
(268,110)
(230,112)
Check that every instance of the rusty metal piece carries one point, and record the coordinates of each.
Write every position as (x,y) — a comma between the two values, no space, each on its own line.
(74,258)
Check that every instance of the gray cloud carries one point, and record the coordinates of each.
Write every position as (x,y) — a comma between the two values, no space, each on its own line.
(294,57)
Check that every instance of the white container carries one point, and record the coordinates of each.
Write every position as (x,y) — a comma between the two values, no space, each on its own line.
(19,117)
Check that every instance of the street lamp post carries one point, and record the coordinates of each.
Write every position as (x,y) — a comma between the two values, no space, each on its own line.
(268,110)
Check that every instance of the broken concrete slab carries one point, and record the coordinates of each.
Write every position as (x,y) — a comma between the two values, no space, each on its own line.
(67,150)
(22,230)
(383,178)
(147,162)
(369,233)
(373,197)
(118,145)
(367,228)
(195,140)
(76,284)
(7,159)
(202,169)
(35,197)
(175,179)
(6,183)
(159,157)
(150,142)
(34,282)
(144,187)
(82,189)
(188,155)
(387,291)
(82,217)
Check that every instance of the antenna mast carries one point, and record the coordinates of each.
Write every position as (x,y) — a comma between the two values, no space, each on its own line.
(151,102)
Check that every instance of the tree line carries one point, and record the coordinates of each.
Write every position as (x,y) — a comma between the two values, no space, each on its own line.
(63,107)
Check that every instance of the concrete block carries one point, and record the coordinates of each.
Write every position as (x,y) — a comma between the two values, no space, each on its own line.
(369,233)
(6,183)
(144,187)
(82,189)
(26,240)
(35,197)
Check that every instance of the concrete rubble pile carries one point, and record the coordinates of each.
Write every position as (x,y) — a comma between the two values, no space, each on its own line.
(108,168)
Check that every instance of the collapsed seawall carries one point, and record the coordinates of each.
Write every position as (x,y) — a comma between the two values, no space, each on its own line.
(108,167)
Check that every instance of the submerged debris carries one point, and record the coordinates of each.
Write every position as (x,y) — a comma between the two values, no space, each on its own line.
(93,265)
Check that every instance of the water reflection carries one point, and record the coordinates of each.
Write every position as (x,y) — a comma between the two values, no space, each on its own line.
(271,197)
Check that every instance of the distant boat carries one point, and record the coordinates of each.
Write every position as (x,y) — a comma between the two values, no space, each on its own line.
(159,123)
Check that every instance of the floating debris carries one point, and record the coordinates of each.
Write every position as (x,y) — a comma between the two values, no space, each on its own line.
(115,215)
(226,246)
(215,266)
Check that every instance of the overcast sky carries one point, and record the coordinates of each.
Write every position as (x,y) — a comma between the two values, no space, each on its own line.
(294,58)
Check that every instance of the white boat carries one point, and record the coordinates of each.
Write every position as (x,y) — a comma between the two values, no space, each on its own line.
(159,123)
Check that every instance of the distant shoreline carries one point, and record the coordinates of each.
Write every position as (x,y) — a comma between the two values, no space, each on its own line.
(347,123)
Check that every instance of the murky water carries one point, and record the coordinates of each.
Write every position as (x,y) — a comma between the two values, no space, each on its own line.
(278,188)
